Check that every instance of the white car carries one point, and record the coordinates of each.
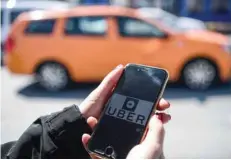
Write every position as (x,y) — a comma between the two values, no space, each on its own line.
(10,9)
(170,20)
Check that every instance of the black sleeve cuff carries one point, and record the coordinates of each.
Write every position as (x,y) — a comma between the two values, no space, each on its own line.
(65,130)
(70,119)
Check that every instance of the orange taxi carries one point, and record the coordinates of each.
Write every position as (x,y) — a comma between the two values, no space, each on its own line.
(83,44)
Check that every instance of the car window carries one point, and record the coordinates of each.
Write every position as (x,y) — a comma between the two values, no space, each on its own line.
(133,27)
(86,26)
(40,26)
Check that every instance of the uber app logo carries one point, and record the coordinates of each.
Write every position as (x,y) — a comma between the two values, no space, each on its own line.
(129,109)
(130,104)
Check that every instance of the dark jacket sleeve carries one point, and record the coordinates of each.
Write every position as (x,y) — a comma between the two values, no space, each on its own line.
(54,136)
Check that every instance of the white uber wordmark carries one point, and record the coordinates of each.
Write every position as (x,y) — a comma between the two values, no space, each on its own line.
(129,109)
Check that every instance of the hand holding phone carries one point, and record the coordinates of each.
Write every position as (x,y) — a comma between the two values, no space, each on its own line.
(104,92)
(152,145)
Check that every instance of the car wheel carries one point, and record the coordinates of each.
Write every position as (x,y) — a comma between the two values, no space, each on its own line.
(199,74)
(53,76)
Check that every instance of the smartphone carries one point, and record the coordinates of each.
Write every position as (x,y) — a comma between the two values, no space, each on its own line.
(127,112)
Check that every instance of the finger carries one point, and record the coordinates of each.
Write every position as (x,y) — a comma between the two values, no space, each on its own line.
(99,96)
(85,140)
(92,121)
(164,117)
(163,104)
(109,82)
(101,93)
(155,134)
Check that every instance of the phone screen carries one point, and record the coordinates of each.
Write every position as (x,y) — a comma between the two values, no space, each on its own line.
(127,111)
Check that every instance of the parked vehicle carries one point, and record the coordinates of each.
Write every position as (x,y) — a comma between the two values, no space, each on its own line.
(11,9)
(83,44)
(180,24)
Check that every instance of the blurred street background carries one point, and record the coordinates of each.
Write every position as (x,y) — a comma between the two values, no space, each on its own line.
(201,119)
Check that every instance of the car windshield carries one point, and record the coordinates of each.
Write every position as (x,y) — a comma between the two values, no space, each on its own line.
(15,13)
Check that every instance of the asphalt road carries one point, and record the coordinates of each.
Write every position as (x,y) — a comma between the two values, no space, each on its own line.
(200,125)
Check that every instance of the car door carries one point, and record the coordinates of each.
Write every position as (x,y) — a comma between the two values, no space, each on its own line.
(139,41)
(85,44)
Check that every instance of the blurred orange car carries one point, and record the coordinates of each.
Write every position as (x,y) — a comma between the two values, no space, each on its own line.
(83,44)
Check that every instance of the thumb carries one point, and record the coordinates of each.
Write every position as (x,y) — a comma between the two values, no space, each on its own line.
(155,133)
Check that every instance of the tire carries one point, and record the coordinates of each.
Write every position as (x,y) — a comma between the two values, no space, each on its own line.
(200,74)
(52,76)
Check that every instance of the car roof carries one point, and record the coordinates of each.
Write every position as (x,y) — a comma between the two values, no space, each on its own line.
(80,11)
(33,4)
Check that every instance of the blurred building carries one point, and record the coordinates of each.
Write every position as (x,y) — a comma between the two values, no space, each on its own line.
(215,13)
